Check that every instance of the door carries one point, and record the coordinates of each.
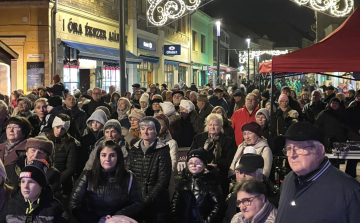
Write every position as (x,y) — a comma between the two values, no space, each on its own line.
(150,79)
(84,80)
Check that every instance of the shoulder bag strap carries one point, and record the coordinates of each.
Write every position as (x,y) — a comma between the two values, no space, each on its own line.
(130,182)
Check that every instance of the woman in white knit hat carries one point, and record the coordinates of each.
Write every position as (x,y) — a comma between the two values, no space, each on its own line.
(144,102)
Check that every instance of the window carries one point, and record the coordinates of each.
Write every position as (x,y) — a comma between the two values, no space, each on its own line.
(168,76)
(182,74)
(194,41)
(71,77)
(203,43)
(111,76)
(141,4)
(144,70)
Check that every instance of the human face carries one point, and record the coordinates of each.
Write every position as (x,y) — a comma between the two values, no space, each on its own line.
(143,104)
(329,92)
(176,88)
(334,105)
(40,109)
(183,112)
(177,98)
(148,133)
(200,104)
(315,96)
(59,131)
(134,122)
(134,89)
(250,137)
(261,119)
(192,97)
(214,127)
(286,91)
(30,189)
(96,94)
(116,97)
(108,158)
(357,98)
(122,105)
(237,98)
(284,104)
(112,134)
(156,106)
(49,108)
(251,102)
(162,88)
(137,95)
(34,153)
(218,95)
(111,89)
(23,106)
(308,160)
(240,175)
(42,94)
(169,96)
(13,132)
(96,126)
(128,96)
(70,101)
(195,165)
(256,203)
(292,94)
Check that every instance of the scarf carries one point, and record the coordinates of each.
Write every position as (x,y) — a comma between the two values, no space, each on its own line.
(122,113)
(9,147)
(135,132)
(212,144)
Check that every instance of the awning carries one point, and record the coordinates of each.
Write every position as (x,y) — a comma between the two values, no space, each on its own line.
(101,53)
(149,59)
(173,63)
(184,65)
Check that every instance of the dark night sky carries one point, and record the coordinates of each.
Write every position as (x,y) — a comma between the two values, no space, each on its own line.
(256,14)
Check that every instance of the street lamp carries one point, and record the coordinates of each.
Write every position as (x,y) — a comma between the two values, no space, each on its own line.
(248,65)
(218,33)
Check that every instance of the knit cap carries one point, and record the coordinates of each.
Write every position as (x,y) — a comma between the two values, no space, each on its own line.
(163,118)
(26,99)
(265,112)
(252,127)
(42,143)
(202,97)
(56,78)
(59,122)
(54,101)
(283,97)
(145,98)
(137,113)
(99,116)
(168,108)
(198,153)
(154,121)
(36,170)
(115,124)
(188,105)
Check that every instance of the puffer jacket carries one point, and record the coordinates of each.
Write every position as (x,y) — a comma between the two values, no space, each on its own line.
(262,148)
(198,198)
(89,205)
(153,170)
(46,209)
(267,214)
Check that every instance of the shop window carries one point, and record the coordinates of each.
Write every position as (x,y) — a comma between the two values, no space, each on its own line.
(169,75)
(182,74)
(111,76)
(145,71)
(194,41)
(71,77)
(203,44)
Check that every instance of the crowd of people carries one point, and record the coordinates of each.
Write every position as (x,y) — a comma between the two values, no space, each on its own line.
(102,157)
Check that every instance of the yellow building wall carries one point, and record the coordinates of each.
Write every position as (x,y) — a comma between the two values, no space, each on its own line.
(25,28)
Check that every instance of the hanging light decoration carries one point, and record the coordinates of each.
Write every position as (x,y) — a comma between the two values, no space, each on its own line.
(160,11)
(243,55)
(329,5)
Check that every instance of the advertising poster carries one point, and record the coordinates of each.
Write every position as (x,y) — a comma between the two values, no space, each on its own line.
(35,75)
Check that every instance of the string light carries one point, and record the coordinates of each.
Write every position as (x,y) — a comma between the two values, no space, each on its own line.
(243,56)
(169,9)
(331,5)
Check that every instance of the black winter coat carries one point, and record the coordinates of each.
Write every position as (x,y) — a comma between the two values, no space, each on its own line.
(90,107)
(80,118)
(89,205)
(88,141)
(123,122)
(198,199)
(215,101)
(153,170)
(57,89)
(228,149)
(311,111)
(352,115)
(187,131)
(47,209)
(13,171)
(328,98)
(201,117)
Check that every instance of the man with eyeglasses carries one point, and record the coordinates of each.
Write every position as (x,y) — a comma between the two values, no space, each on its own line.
(244,115)
(314,191)
(96,101)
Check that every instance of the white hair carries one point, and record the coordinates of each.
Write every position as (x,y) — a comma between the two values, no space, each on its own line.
(252,94)
(218,118)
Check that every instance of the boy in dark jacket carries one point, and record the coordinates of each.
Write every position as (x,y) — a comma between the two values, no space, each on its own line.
(58,87)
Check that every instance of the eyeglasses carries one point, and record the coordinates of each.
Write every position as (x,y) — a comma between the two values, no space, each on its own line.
(250,99)
(296,149)
(246,201)
(15,128)
(195,164)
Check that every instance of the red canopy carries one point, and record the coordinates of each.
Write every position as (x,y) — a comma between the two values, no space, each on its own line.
(265,67)
(338,52)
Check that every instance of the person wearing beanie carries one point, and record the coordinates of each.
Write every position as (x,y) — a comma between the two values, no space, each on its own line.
(121,114)
(155,106)
(144,102)
(150,158)
(263,118)
(57,88)
(134,132)
(252,133)
(237,102)
(36,148)
(112,131)
(24,108)
(177,97)
(114,100)
(188,124)
(206,196)
(36,201)
(165,137)
(5,189)
(265,98)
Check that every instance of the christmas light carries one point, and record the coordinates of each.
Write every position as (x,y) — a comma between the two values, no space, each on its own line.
(331,5)
(243,55)
(160,11)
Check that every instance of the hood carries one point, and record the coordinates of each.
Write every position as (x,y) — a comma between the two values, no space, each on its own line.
(112,95)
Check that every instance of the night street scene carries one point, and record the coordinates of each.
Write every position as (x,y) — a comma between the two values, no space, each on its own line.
(179,111)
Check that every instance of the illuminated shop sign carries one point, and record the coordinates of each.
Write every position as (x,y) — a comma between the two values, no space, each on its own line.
(172,49)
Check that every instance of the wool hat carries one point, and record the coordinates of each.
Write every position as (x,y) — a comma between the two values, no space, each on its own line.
(164,85)
(42,143)
(176,85)
(106,110)
(250,163)
(99,116)
(336,100)
(2,171)
(145,97)
(156,100)
(203,98)
(136,85)
(115,124)
(26,99)
(330,88)
(265,112)
(36,170)
(283,97)
(178,92)
(154,120)
(239,94)
(252,127)
(59,122)
(56,78)
(55,101)
(31,97)
(163,118)
(285,88)
(199,153)
(168,108)
(152,85)
(266,94)
(218,90)
(137,113)
(188,105)
(128,104)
